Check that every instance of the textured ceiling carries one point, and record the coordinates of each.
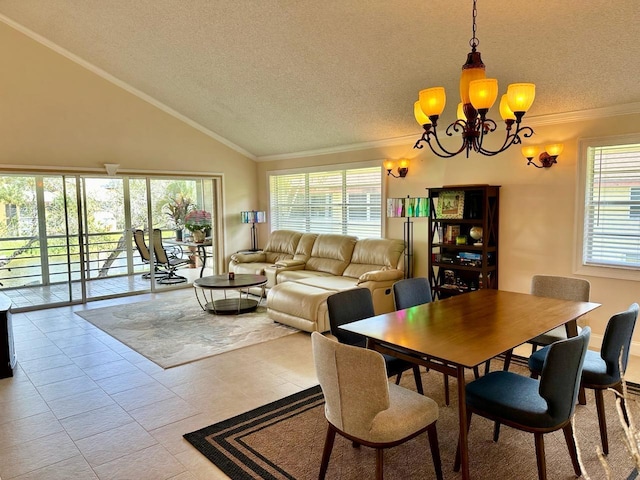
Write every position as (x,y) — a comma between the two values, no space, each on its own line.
(277,77)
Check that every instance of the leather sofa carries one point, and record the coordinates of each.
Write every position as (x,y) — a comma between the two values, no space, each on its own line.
(303,269)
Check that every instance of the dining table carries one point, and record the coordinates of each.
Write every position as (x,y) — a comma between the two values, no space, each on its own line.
(465,331)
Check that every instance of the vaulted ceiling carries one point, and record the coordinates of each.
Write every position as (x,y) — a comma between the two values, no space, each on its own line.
(281,76)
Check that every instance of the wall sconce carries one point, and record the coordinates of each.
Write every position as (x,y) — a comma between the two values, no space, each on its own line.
(403,167)
(547,158)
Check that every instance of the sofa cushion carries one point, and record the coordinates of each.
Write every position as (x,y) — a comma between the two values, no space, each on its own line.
(305,246)
(330,282)
(297,275)
(331,253)
(297,300)
(257,268)
(374,254)
(282,245)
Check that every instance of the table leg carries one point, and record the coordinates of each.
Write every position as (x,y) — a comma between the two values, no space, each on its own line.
(462,419)
(203,258)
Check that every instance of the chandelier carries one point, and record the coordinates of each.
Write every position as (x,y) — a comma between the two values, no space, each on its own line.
(478,94)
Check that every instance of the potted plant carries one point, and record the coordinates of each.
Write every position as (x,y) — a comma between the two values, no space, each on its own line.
(198,222)
(177,209)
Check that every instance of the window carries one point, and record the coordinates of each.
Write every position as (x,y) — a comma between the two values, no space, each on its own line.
(611,223)
(338,201)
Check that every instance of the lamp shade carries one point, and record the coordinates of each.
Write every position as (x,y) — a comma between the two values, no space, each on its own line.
(483,93)
(421,118)
(253,217)
(505,111)
(530,151)
(520,96)
(554,149)
(432,101)
(407,207)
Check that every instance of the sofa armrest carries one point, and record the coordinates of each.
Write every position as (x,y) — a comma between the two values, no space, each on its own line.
(381,276)
(249,257)
(290,264)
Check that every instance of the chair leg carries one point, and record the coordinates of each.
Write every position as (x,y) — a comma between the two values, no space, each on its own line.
(571,445)
(602,420)
(435,450)
(507,359)
(416,374)
(496,431)
(446,389)
(398,377)
(379,463)
(326,452)
(540,458)
(476,372)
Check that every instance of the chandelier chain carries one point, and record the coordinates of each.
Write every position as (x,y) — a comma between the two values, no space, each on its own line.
(474,42)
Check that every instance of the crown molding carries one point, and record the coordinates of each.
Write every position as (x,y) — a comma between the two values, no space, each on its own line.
(538,121)
(125,86)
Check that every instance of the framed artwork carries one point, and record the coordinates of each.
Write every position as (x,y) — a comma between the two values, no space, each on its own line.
(450,204)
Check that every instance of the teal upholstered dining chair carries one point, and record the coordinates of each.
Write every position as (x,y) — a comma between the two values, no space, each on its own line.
(364,407)
(536,406)
(410,292)
(357,304)
(601,370)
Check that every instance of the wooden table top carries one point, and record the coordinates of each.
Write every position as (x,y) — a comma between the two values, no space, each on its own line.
(469,329)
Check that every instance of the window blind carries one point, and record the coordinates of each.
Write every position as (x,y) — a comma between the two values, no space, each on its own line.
(612,207)
(347,202)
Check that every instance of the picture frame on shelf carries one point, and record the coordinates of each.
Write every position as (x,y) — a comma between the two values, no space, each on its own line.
(450,204)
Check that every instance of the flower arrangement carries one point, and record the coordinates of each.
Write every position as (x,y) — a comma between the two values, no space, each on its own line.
(197,220)
(177,209)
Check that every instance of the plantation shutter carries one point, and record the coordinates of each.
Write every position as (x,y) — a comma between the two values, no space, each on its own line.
(347,202)
(612,206)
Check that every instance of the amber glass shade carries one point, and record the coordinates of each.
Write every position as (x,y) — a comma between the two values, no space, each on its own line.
(554,149)
(432,101)
(520,96)
(403,163)
(483,93)
(530,151)
(467,76)
(389,164)
(505,111)
(460,112)
(421,118)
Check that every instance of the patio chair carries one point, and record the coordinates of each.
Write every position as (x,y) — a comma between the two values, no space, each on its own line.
(145,255)
(167,261)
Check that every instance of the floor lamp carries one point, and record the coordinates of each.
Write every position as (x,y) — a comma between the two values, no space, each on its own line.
(253,217)
(408,208)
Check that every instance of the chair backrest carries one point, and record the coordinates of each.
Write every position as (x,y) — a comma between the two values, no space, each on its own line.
(617,338)
(354,384)
(141,245)
(410,292)
(561,374)
(346,307)
(563,288)
(158,249)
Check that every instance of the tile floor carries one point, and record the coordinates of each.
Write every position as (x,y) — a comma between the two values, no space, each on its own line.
(81,405)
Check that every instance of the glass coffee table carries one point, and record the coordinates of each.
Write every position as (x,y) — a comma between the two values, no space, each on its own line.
(228,306)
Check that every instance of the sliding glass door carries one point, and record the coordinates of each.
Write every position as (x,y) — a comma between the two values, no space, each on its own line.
(68,239)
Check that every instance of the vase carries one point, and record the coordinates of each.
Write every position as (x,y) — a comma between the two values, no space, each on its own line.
(178,234)
(198,236)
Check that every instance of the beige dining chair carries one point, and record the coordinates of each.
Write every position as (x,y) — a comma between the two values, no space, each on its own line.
(562,288)
(364,407)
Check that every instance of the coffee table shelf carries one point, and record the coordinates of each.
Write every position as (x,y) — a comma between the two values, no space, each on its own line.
(228,306)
